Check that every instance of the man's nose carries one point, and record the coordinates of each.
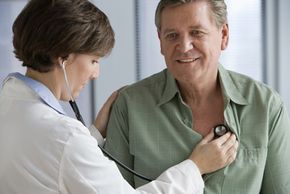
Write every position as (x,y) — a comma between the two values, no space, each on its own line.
(185,44)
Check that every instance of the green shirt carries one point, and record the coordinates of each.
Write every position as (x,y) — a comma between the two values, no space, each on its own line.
(150,129)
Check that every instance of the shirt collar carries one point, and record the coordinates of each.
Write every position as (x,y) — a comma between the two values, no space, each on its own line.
(44,93)
(229,87)
(230,90)
(171,89)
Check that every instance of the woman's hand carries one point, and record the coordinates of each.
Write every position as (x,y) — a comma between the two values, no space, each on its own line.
(212,154)
(104,113)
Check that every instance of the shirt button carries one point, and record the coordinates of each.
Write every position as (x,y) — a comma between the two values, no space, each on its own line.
(186,121)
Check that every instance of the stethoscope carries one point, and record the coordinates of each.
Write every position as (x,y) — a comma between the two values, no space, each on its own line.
(80,118)
(219,130)
(78,115)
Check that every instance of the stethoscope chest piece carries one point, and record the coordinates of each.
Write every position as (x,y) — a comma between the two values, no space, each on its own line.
(220,130)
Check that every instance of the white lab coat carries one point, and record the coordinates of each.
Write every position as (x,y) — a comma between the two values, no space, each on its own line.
(44,152)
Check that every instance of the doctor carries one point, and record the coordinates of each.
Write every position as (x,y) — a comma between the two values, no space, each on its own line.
(43,150)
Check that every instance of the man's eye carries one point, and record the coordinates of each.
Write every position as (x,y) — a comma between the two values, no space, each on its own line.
(171,36)
(196,33)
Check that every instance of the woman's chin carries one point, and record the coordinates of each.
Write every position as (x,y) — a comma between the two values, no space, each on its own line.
(76,94)
(68,98)
(65,99)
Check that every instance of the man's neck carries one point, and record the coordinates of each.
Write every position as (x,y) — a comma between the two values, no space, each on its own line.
(198,93)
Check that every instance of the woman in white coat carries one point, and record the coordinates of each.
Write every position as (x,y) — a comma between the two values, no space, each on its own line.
(43,150)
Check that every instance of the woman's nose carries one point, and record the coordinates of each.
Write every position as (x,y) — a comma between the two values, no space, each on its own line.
(96,72)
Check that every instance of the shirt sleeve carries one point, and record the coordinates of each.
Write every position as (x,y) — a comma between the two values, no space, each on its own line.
(117,142)
(84,169)
(276,178)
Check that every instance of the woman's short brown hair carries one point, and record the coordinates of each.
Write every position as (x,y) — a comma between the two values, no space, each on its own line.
(48,29)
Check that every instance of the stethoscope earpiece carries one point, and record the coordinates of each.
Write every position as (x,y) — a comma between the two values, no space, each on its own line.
(62,65)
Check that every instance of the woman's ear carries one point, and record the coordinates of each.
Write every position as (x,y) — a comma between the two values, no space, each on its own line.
(61,62)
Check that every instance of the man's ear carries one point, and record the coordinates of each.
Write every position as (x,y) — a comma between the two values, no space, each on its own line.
(225,36)
(159,37)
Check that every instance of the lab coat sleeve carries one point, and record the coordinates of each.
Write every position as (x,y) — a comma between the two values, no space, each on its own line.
(97,135)
(84,169)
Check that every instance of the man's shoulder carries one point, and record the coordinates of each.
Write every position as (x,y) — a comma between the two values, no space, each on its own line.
(251,88)
(153,82)
(242,80)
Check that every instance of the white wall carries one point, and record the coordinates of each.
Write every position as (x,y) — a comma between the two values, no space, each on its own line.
(119,68)
(244,52)
(151,60)
(278,47)
(8,63)
(284,49)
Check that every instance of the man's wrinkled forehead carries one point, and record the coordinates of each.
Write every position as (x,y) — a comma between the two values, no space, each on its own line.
(172,11)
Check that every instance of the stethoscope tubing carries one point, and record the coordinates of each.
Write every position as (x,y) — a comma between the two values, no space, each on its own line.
(80,118)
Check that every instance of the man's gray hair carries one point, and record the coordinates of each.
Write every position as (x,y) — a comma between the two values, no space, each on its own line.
(218,8)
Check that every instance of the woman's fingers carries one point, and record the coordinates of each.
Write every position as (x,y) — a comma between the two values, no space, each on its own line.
(209,137)
(229,142)
(223,139)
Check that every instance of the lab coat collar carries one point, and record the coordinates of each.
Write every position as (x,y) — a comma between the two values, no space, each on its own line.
(41,90)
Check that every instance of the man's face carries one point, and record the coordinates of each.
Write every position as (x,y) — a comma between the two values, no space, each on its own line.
(191,42)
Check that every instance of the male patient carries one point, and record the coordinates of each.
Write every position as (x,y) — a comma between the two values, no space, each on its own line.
(155,123)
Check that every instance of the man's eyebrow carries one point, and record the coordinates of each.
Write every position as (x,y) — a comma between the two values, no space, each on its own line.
(166,31)
(196,27)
